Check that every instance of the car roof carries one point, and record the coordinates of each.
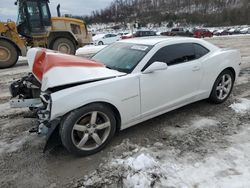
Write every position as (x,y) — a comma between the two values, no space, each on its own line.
(158,39)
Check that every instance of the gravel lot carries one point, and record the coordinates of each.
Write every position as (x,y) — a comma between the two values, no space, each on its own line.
(199,145)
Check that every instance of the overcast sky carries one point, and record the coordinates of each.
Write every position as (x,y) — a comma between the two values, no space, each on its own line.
(76,7)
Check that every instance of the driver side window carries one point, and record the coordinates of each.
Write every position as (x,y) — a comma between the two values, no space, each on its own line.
(107,36)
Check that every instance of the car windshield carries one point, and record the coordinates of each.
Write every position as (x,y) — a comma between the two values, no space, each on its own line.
(121,56)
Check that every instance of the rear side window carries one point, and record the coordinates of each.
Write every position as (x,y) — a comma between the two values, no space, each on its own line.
(174,54)
(200,51)
(180,53)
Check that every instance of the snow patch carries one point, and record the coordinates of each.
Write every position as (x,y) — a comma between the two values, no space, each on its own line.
(242,80)
(142,170)
(4,107)
(243,106)
(8,146)
(204,122)
(226,168)
(196,123)
(141,162)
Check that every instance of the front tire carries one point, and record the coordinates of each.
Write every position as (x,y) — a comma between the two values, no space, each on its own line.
(64,45)
(8,54)
(87,130)
(222,87)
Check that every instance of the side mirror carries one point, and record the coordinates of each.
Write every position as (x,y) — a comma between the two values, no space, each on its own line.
(156,66)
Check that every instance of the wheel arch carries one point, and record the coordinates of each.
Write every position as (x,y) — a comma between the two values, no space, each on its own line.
(54,35)
(116,112)
(228,68)
(232,70)
(112,107)
(13,43)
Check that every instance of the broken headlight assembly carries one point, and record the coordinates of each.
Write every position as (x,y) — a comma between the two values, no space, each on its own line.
(43,113)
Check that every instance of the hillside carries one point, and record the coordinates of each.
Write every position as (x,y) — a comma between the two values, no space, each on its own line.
(210,12)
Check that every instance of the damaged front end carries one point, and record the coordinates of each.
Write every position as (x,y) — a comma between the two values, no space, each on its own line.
(26,93)
(52,72)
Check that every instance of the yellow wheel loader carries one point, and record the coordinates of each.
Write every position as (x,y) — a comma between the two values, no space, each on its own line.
(36,28)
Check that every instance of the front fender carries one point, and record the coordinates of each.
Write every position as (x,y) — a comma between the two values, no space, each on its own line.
(121,92)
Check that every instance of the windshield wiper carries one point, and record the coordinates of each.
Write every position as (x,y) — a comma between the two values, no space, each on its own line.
(108,67)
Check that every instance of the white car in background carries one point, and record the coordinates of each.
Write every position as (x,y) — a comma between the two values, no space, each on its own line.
(245,30)
(104,39)
(89,50)
(124,84)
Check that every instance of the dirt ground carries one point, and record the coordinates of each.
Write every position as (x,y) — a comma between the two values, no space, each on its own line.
(188,138)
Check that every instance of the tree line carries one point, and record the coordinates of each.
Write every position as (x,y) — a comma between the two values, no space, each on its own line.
(208,12)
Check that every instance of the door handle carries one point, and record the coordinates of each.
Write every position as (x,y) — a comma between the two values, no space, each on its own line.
(196,68)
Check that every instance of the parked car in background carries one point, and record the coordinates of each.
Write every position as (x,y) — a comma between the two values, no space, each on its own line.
(221,32)
(245,30)
(202,33)
(123,33)
(89,50)
(178,32)
(124,84)
(103,39)
(127,36)
(141,33)
(231,31)
(237,30)
(145,33)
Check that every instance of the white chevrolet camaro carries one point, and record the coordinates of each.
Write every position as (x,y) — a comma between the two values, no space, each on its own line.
(124,84)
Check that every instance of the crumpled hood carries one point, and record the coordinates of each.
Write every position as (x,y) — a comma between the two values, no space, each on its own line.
(54,69)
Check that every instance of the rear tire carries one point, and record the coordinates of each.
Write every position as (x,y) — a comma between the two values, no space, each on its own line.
(8,54)
(83,133)
(64,45)
(100,43)
(222,87)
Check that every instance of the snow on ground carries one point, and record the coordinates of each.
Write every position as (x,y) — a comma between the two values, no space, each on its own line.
(204,122)
(198,122)
(242,80)
(156,167)
(11,145)
(226,168)
(142,170)
(6,110)
(242,106)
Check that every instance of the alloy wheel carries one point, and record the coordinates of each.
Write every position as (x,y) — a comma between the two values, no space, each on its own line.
(224,86)
(91,130)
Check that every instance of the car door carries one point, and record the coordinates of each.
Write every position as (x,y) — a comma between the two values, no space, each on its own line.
(114,38)
(106,39)
(177,85)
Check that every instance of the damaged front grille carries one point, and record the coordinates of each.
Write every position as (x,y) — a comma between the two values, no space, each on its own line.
(26,88)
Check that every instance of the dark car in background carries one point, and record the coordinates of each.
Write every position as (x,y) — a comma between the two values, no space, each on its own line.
(140,33)
(202,33)
(144,33)
(178,31)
